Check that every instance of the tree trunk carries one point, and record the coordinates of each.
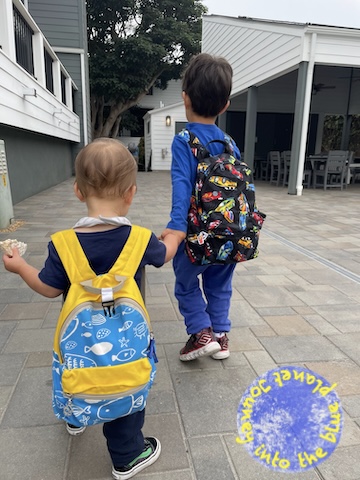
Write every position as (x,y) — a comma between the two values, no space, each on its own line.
(115,129)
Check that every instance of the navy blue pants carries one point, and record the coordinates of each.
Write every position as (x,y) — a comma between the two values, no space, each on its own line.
(206,307)
(124,437)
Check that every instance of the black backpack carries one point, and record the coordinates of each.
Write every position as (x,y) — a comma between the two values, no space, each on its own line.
(223,221)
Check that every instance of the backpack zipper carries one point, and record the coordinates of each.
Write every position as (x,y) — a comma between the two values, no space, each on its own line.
(112,396)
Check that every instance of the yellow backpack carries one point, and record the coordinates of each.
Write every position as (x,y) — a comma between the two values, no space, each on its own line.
(104,351)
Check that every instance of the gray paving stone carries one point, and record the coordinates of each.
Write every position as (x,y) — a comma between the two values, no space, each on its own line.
(208,400)
(349,344)
(169,332)
(162,313)
(36,340)
(331,297)
(5,394)
(301,348)
(6,330)
(88,456)
(243,315)
(343,317)
(211,461)
(270,297)
(10,367)
(31,401)
(37,453)
(351,403)
(189,397)
(16,295)
(167,428)
(160,401)
(342,465)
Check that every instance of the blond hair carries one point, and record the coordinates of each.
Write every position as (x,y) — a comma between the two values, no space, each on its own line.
(105,168)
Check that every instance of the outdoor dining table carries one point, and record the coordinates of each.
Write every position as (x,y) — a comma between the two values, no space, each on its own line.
(317,159)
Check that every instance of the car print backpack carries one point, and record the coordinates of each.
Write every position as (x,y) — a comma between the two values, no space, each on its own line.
(104,352)
(223,221)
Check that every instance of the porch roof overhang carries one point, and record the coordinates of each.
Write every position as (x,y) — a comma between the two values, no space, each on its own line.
(268,54)
(262,50)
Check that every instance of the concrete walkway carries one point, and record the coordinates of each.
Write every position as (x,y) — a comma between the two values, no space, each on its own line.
(298,304)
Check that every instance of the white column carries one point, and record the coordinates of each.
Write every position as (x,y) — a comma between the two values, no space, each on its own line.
(57,79)
(7,38)
(68,93)
(39,60)
(306,112)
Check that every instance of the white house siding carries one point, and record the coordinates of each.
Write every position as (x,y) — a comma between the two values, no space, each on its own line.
(170,96)
(341,47)
(161,136)
(32,113)
(257,52)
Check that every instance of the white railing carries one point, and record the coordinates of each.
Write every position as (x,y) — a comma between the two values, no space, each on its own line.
(28,100)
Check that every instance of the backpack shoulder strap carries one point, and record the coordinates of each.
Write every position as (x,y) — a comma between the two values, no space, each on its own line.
(197,148)
(131,255)
(72,256)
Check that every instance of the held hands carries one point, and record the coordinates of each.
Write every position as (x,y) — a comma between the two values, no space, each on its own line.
(168,231)
(171,239)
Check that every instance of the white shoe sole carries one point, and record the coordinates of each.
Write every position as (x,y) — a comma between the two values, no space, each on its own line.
(75,431)
(140,467)
(221,355)
(206,351)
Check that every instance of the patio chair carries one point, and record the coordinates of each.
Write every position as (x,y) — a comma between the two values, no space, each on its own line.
(275,167)
(332,173)
(286,157)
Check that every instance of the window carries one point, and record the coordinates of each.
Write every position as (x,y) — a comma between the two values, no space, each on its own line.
(63,89)
(74,96)
(23,42)
(49,71)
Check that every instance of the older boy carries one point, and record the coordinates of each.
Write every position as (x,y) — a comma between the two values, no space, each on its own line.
(206,89)
(106,181)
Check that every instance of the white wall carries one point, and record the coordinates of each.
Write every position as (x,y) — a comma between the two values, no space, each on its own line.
(170,96)
(32,113)
(257,51)
(162,136)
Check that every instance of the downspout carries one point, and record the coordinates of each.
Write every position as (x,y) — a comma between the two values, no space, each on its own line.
(306,113)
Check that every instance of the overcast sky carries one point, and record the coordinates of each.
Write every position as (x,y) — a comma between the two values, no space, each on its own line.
(344,13)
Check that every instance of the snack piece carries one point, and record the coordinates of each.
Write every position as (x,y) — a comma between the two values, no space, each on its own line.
(7,246)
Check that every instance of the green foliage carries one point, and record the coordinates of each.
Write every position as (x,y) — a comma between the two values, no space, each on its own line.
(333,127)
(355,135)
(332,133)
(133,44)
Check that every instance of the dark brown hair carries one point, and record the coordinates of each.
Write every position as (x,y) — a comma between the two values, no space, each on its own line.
(105,168)
(208,81)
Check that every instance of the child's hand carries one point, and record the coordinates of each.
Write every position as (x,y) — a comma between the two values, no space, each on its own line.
(179,234)
(14,262)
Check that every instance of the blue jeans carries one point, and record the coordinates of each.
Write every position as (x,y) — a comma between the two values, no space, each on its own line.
(125,440)
(206,307)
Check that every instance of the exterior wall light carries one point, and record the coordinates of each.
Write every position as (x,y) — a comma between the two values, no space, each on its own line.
(168,121)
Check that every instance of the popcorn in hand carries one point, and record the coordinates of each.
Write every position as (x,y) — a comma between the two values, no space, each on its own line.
(9,244)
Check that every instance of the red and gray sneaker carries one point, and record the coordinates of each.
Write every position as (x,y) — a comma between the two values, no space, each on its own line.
(201,344)
(224,345)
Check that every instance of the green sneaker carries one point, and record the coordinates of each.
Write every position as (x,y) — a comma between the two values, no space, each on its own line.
(146,458)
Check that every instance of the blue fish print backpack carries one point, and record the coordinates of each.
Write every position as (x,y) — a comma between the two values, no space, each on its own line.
(104,353)
(223,221)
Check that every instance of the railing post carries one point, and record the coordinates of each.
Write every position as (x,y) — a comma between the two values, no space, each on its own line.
(7,38)
(39,59)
